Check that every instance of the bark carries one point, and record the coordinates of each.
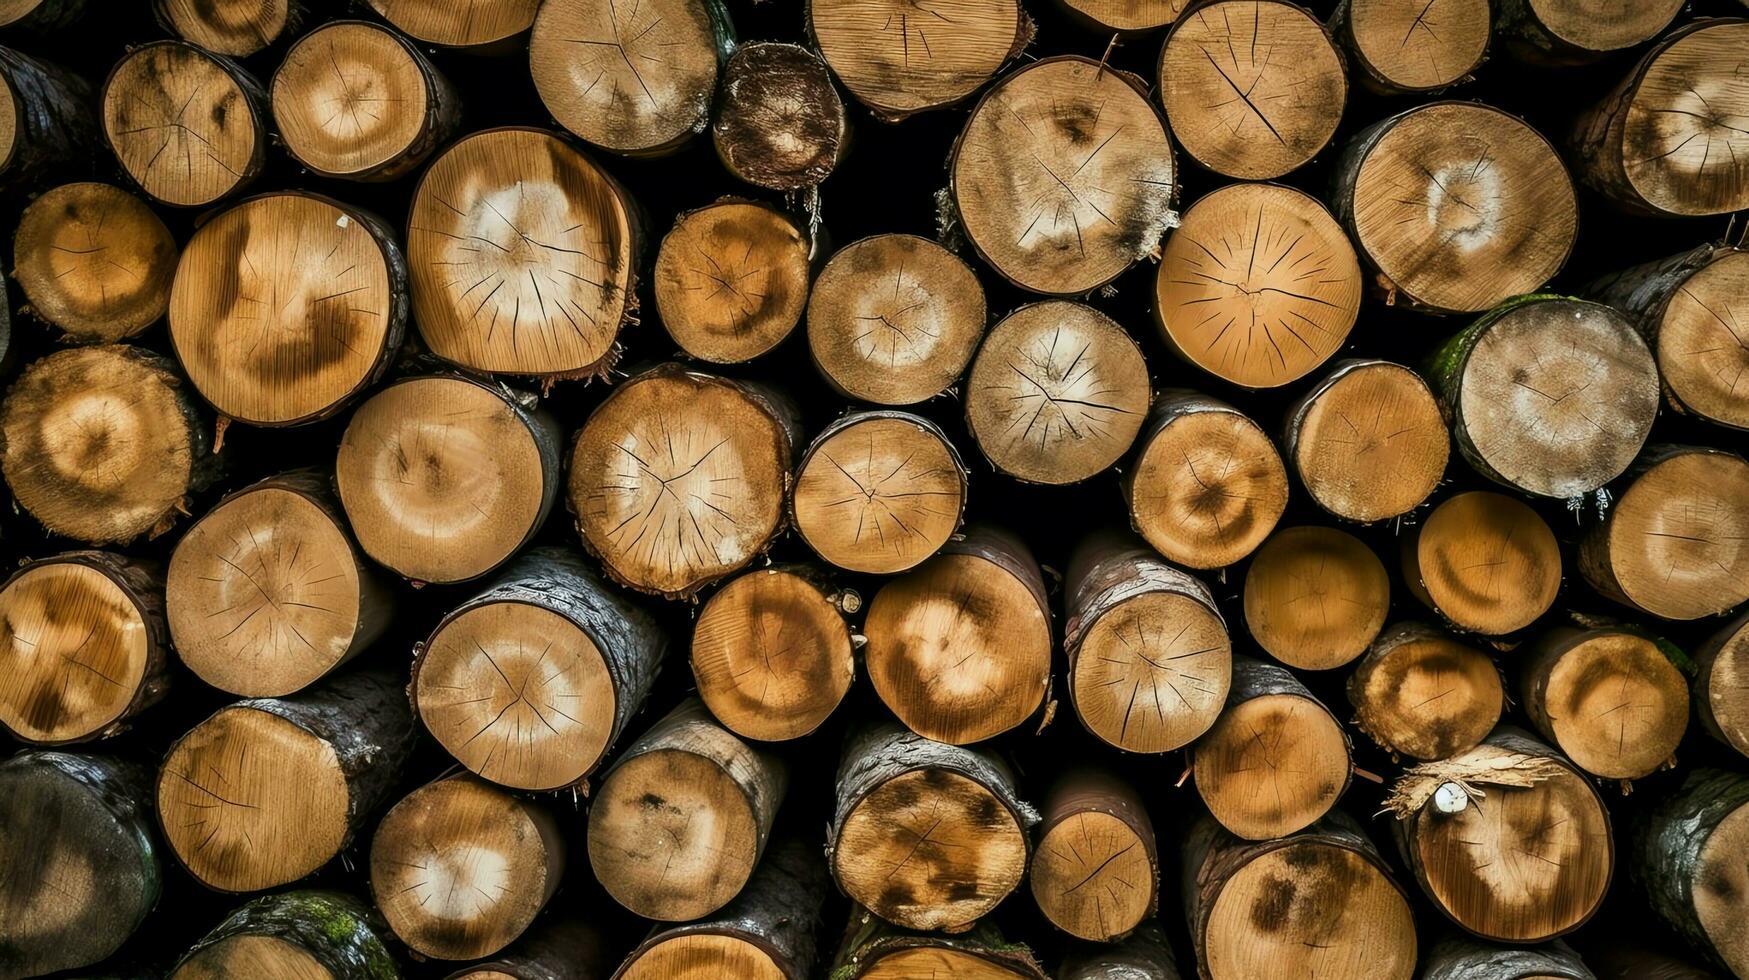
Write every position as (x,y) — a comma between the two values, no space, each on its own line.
(564,947)
(1145,955)
(1719,703)
(56,133)
(1457,956)
(982,952)
(49,16)
(337,931)
(1670,865)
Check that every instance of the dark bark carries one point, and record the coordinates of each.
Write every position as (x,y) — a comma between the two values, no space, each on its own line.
(869,938)
(56,136)
(341,933)
(1145,955)
(1667,844)
(1458,956)
(563,947)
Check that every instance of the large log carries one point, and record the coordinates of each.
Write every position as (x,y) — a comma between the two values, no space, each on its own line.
(1144,955)
(1420,693)
(298,935)
(1460,957)
(1412,46)
(1573,32)
(95,261)
(483,25)
(779,122)
(1096,873)
(560,947)
(731,279)
(46,123)
(189,126)
(1484,561)
(1687,863)
(1367,440)
(873,949)
(898,58)
(1720,681)
(1610,699)
(238,28)
(1315,597)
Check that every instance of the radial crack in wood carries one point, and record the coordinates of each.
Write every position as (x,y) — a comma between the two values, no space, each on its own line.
(95,261)
(904,56)
(731,280)
(1315,597)
(187,125)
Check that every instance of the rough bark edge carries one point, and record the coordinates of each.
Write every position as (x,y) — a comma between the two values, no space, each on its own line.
(1665,845)
(49,17)
(853,418)
(1460,956)
(1705,657)
(56,128)
(1145,955)
(337,930)
(868,938)
(563,946)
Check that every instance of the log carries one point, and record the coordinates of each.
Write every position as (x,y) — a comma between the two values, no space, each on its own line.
(1319,902)
(483,26)
(1402,47)
(1655,144)
(1133,619)
(1253,90)
(1420,693)
(679,478)
(1276,760)
(1063,176)
(445,477)
(357,101)
(874,950)
(1367,441)
(1485,562)
(634,79)
(563,250)
(104,444)
(270,594)
(46,123)
(1721,676)
(767,933)
(460,868)
(931,317)
(296,934)
(87,646)
(267,790)
(899,59)
(569,947)
(1315,597)
(756,683)
(1278,298)
(959,648)
(1686,861)
(237,28)
(94,261)
(1057,393)
(1672,544)
(683,817)
(189,126)
(1144,955)
(1096,875)
(287,306)
(779,122)
(1682,306)
(925,835)
(1459,957)
(1456,206)
(1207,485)
(1610,699)
(879,491)
(531,681)
(40,17)
(1527,860)
(731,279)
(1573,32)
(82,859)
(1130,16)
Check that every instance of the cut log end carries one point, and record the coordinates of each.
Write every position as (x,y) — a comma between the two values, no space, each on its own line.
(1096,874)
(879,492)
(780,124)
(1129,15)
(231,27)
(897,59)
(1272,765)
(1422,694)
(298,935)
(1577,30)
(1697,348)
(1484,561)
(1721,689)
(1610,700)
(1414,46)
(1208,485)
(701,956)
(95,261)
(1315,597)
(187,126)
(1368,441)
(731,280)
(441,22)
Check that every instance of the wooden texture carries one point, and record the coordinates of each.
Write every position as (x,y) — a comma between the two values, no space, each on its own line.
(481,24)
(1609,699)
(898,58)
(1418,692)
(780,124)
(731,279)
(1315,597)
(94,261)
(298,935)
(1484,561)
(1686,862)
(1411,46)
(188,126)
(1367,441)
(1721,678)
(1096,872)
(237,28)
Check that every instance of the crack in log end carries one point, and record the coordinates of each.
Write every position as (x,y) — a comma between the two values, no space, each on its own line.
(905,56)
(1208,488)
(1685,131)
(181,124)
(880,494)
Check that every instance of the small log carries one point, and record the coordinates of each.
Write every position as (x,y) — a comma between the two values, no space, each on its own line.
(1133,619)
(82,859)
(1527,862)
(959,648)
(679,478)
(1253,89)
(779,121)
(41,17)
(1276,760)
(1655,144)
(559,947)
(1484,561)
(731,280)
(562,252)
(95,261)
(899,59)
(1320,901)
(267,790)
(46,124)
(531,681)
(1315,597)
(286,306)
(1410,46)
(1057,393)
(1096,875)
(1456,206)
(1207,485)
(444,477)
(1278,298)
(1367,441)
(1686,860)
(1575,32)
(104,444)
(189,126)
(86,644)
(237,28)
(683,817)
(331,95)
(1672,544)
(1460,957)
(768,932)
(1422,694)
(1063,176)
(1129,16)
(894,319)
(634,79)
(874,950)
(926,835)
(1609,699)
(270,592)
(1145,954)
(297,934)
(1721,678)
(484,25)
(753,681)
(460,867)
(879,491)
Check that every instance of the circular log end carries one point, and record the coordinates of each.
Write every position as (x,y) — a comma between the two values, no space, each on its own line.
(879,493)
(1208,487)
(1369,443)
(1261,786)
(1486,562)
(95,261)
(731,280)
(1315,597)
(176,92)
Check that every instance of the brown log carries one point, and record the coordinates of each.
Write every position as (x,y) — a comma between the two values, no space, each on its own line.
(1411,46)
(559,947)
(874,950)
(94,261)
(926,835)
(679,478)
(1367,441)
(1720,680)
(532,680)
(683,817)
(46,123)
(1132,16)
(1686,862)
(1096,874)
(899,59)
(189,126)
(298,935)
(1133,619)
(267,790)
(237,28)
(959,648)
(1144,955)
(1574,32)
(779,123)
(1315,597)
(731,279)
(1610,699)
(1422,694)
(484,25)
(1460,957)
(1484,561)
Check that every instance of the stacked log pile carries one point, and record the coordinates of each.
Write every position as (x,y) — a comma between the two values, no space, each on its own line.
(889,489)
